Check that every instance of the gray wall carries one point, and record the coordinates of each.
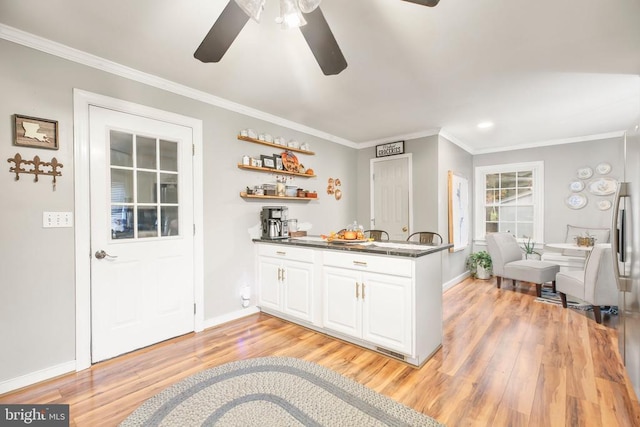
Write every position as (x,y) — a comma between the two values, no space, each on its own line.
(453,158)
(561,163)
(37,289)
(426,182)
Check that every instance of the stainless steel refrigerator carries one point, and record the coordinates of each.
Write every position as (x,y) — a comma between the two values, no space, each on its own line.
(626,260)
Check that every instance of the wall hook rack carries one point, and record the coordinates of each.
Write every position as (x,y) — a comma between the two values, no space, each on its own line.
(37,167)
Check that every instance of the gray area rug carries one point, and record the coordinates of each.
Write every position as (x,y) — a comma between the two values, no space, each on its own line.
(550,297)
(272,391)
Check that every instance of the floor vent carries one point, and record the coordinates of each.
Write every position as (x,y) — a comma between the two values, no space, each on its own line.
(391,353)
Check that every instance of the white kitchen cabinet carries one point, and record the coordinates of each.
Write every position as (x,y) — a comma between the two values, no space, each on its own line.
(270,282)
(387,311)
(388,302)
(370,306)
(285,281)
(342,310)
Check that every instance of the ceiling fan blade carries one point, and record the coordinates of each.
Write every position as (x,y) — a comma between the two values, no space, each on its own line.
(222,34)
(322,43)
(430,3)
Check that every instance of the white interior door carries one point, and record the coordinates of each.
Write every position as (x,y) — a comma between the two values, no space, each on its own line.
(142,285)
(390,196)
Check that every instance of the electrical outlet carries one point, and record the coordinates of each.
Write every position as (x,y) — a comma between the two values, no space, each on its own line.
(57,219)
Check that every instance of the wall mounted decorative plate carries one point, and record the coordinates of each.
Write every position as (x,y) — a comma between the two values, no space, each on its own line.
(603,186)
(604,205)
(576,201)
(576,186)
(603,168)
(290,161)
(585,172)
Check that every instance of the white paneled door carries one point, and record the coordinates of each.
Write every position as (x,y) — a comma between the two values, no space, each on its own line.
(391,196)
(142,286)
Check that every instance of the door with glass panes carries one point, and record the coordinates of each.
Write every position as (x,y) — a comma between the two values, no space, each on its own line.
(142,288)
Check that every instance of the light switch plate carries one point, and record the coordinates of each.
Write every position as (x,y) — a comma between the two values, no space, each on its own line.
(57,219)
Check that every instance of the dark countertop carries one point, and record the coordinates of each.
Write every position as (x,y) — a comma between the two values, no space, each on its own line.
(407,249)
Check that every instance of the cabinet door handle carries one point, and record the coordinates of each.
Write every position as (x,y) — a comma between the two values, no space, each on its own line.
(361,263)
(362,291)
(283,270)
(279,274)
(357,290)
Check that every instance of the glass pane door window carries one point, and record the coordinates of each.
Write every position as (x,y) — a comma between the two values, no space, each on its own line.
(144,186)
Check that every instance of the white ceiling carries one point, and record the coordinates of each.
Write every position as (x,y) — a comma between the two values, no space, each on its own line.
(544,71)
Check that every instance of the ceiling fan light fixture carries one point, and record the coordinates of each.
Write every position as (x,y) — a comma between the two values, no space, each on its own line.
(308,6)
(253,8)
(290,14)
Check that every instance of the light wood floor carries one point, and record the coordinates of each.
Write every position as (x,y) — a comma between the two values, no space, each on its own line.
(506,360)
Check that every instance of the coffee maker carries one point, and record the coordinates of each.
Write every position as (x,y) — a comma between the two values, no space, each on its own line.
(274,222)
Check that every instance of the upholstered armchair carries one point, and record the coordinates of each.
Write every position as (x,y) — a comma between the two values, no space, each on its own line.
(506,256)
(595,284)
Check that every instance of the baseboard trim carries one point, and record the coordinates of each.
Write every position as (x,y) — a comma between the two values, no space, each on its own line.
(13,384)
(215,321)
(37,376)
(455,281)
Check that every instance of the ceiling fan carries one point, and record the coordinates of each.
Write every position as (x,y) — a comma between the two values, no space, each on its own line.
(304,14)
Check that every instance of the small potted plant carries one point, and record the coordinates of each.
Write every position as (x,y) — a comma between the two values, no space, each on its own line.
(529,249)
(480,264)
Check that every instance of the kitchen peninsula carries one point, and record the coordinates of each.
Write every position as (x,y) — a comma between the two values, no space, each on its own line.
(385,296)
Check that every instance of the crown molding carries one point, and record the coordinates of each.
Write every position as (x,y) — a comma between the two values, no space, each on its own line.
(538,144)
(456,141)
(63,51)
(404,137)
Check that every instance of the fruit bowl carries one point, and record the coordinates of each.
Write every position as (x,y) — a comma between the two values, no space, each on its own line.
(345,236)
(350,235)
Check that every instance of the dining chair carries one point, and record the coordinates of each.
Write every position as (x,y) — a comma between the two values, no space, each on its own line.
(377,235)
(595,284)
(426,237)
(506,257)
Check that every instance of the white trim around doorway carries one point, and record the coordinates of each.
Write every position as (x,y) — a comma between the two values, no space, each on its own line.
(81,102)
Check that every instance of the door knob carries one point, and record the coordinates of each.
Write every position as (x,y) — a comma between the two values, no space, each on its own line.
(404,228)
(102,254)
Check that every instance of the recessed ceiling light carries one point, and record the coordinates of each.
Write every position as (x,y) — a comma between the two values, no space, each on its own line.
(485,125)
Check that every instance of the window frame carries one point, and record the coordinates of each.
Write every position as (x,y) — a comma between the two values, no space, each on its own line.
(156,203)
(480,184)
